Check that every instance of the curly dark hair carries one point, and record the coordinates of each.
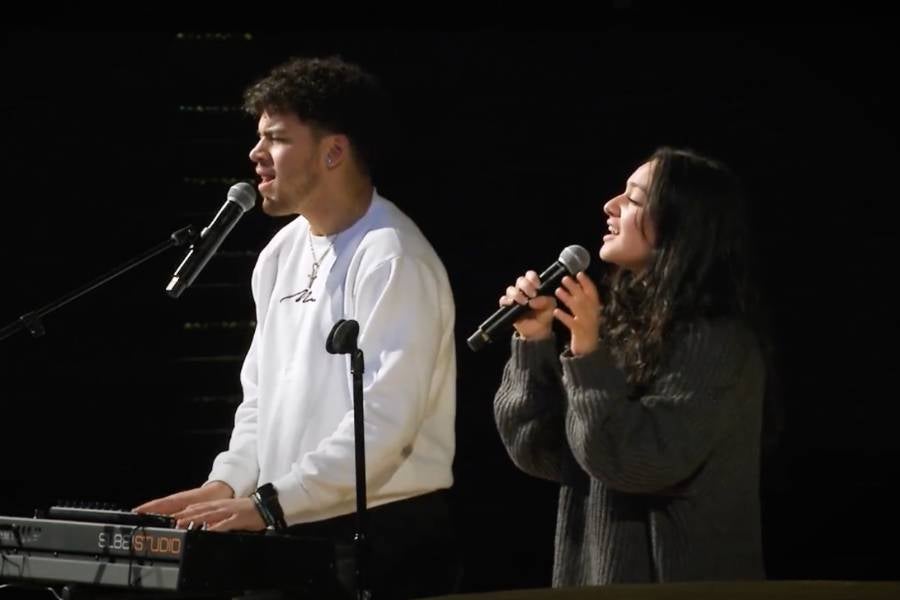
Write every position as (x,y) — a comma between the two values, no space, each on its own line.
(329,94)
(700,267)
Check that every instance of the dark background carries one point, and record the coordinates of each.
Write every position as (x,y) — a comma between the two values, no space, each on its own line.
(505,147)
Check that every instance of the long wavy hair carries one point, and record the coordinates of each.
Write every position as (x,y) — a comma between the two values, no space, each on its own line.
(700,265)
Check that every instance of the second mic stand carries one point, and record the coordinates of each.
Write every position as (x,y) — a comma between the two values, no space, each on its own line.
(31,321)
(342,340)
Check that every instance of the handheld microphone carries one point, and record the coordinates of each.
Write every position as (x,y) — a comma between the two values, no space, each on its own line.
(241,198)
(571,260)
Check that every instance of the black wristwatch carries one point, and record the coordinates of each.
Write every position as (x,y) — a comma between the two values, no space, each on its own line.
(266,500)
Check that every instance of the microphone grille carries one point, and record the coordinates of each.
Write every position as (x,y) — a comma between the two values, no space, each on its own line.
(575,258)
(243,194)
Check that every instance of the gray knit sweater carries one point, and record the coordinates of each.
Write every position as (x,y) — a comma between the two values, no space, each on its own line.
(657,487)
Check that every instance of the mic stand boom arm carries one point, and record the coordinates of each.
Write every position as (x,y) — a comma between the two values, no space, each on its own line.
(31,321)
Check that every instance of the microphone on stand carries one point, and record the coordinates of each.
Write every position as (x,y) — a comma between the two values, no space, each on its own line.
(241,198)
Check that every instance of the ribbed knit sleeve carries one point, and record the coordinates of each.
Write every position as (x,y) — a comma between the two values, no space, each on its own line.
(649,443)
(529,408)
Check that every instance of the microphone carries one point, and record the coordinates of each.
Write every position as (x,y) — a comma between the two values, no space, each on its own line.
(571,260)
(241,198)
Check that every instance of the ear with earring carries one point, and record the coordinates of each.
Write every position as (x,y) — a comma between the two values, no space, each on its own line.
(331,156)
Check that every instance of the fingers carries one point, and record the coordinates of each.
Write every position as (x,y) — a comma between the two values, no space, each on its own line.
(240,520)
(161,506)
(564,317)
(224,525)
(581,301)
(190,525)
(580,294)
(526,287)
(177,502)
(514,294)
(146,507)
(588,286)
(571,285)
(222,515)
(581,284)
(203,513)
(569,293)
(584,315)
(542,303)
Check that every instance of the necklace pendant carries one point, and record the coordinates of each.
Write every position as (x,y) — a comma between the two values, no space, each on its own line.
(313,274)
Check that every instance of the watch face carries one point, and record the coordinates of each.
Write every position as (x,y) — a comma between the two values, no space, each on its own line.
(268,491)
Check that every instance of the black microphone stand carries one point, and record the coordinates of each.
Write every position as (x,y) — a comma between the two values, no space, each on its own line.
(31,321)
(342,340)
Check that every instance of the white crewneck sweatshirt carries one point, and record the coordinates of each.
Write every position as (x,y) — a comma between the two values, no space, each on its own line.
(294,427)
